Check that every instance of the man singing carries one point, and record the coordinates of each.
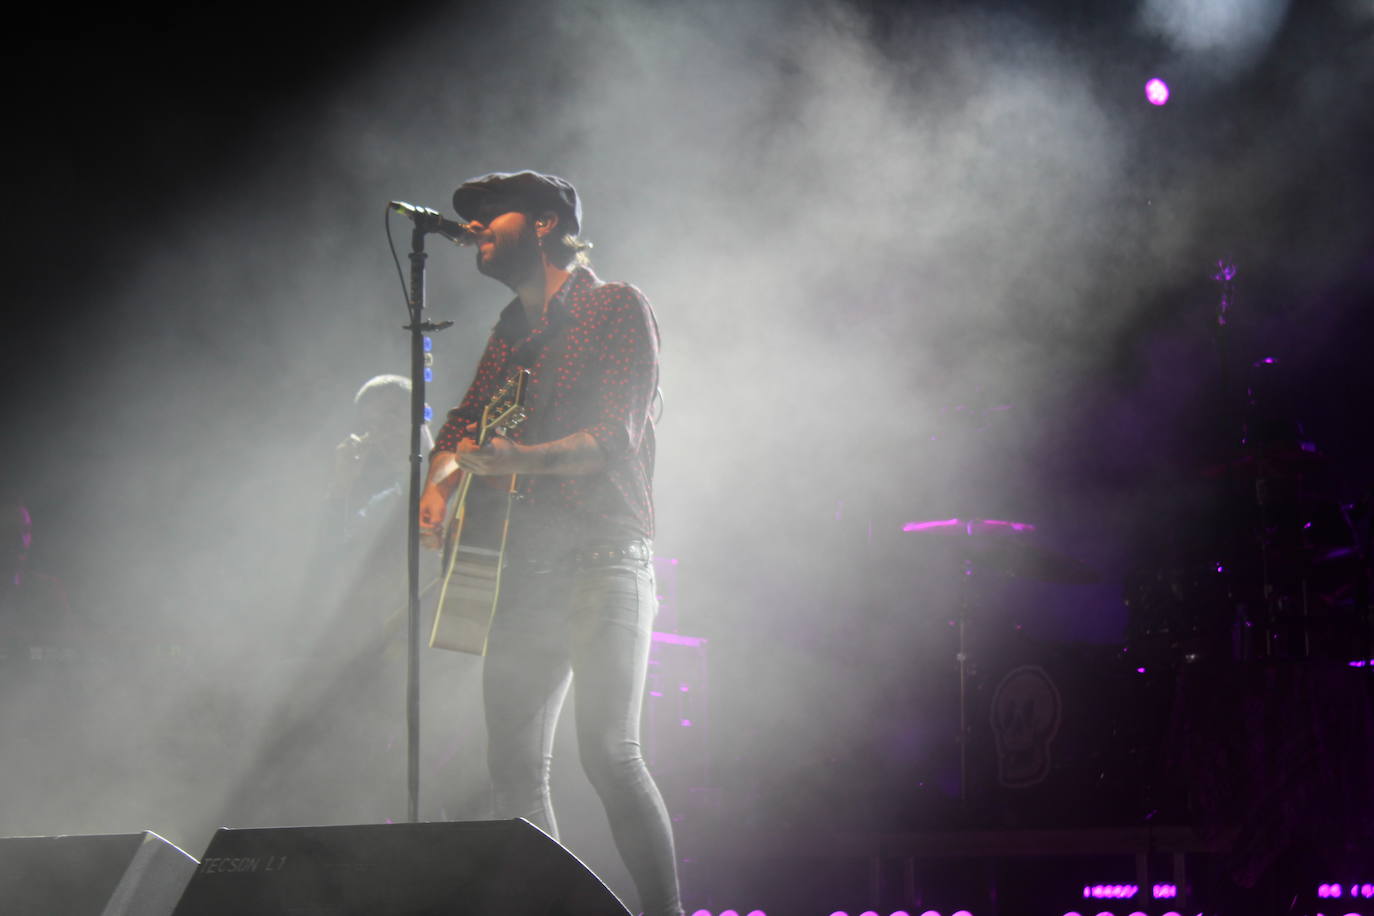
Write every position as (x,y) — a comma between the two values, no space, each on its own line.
(577,595)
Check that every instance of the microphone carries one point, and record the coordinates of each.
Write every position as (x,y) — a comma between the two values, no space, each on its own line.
(427,220)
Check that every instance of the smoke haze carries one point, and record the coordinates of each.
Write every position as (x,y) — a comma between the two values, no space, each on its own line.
(908,263)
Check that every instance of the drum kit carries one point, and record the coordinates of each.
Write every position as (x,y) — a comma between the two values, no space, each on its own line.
(1286,576)
(1257,556)
(980,547)
(1282,574)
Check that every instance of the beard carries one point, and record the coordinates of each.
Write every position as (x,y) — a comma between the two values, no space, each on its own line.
(512,260)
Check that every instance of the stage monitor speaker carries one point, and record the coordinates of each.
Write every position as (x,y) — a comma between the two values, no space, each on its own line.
(462,868)
(130,874)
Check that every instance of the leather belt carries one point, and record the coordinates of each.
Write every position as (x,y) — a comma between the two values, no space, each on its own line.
(608,554)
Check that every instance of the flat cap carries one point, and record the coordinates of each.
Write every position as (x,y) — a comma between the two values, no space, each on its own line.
(525,191)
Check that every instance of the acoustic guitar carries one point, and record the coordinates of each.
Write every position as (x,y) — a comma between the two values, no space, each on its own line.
(474,543)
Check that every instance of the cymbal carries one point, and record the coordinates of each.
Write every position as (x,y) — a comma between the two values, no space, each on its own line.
(1007,547)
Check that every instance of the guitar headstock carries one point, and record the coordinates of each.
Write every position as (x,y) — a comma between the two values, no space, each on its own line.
(506,409)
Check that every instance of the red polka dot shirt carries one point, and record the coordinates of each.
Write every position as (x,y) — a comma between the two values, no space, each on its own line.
(593,361)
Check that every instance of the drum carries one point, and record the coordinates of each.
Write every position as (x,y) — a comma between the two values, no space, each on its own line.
(1063,735)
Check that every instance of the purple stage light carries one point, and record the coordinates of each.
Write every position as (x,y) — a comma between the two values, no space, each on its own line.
(1157,91)
(1111,891)
(962,913)
(1014,526)
(728,913)
(702,913)
(757,913)
(927,526)
(968,525)
(1165,891)
(673,639)
(1336,889)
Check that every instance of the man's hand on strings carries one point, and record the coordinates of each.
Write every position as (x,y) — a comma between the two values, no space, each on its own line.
(432,503)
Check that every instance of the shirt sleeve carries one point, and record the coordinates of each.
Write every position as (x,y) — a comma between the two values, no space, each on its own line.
(629,375)
(484,384)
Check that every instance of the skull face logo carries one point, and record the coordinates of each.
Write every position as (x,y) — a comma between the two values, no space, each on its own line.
(1026,713)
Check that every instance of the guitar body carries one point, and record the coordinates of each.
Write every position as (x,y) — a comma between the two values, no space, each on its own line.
(475,538)
(472,562)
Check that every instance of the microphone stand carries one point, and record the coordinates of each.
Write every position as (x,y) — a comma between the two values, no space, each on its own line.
(418,327)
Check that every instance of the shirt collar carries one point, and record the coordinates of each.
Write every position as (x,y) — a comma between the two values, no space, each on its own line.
(513,326)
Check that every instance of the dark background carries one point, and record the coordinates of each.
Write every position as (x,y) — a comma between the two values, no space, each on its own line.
(178,216)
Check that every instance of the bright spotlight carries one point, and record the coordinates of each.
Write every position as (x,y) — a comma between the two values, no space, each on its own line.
(1156,91)
(1231,35)
(757,913)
